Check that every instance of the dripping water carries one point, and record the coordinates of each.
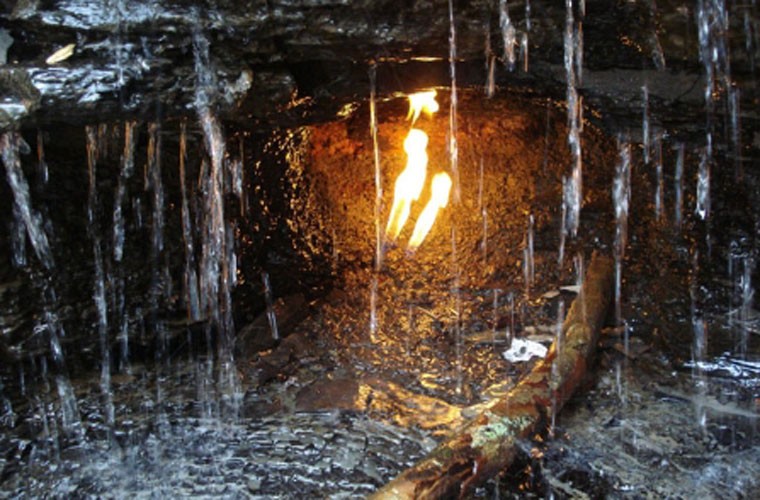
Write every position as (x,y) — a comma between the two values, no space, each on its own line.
(127,167)
(678,181)
(376,161)
(26,216)
(529,272)
(508,34)
(214,281)
(645,133)
(457,294)
(42,166)
(269,300)
(573,51)
(703,181)
(453,146)
(557,362)
(373,322)
(190,276)
(621,196)
(659,193)
(484,215)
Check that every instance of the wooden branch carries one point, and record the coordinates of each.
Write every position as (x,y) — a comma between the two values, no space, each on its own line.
(487,444)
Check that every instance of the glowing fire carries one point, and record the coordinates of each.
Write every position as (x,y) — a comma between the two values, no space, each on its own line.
(409,183)
(422,101)
(411,180)
(438,200)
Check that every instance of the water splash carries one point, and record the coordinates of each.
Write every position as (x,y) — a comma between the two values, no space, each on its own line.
(10,142)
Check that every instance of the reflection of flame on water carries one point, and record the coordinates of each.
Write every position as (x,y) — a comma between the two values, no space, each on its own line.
(411,180)
(438,199)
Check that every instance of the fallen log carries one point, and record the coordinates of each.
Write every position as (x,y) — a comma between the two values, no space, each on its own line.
(488,443)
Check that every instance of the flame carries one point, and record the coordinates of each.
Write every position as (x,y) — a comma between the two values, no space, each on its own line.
(441,186)
(409,183)
(411,180)
(422,102)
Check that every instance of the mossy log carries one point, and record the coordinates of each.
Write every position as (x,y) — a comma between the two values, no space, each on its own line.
(488,443)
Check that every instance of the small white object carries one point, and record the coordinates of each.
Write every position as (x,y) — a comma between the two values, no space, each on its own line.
(61,54)
(524,350)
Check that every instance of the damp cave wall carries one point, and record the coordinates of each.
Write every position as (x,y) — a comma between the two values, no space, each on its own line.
(274,66)
(287,63)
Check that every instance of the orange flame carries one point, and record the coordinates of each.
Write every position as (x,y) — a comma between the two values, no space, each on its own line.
(409,183)
(441,186)
(411,180)
(422,101)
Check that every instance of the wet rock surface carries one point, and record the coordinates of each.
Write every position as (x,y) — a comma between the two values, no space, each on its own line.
(292,62)
(337,406)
